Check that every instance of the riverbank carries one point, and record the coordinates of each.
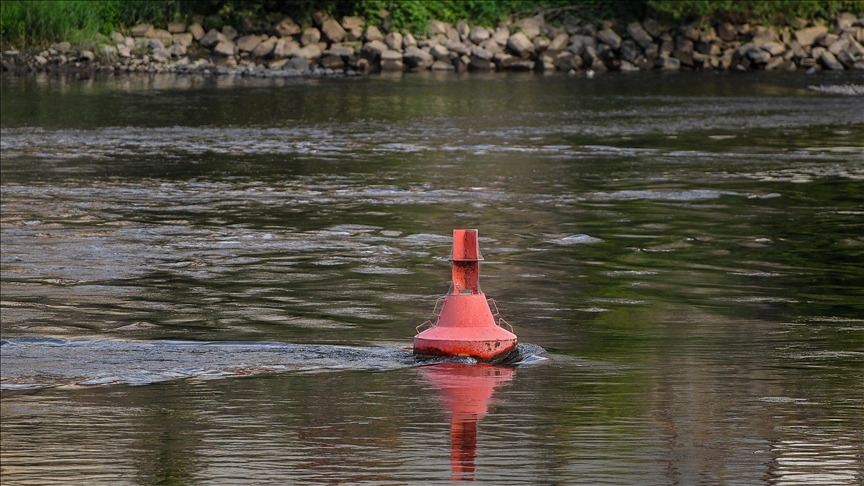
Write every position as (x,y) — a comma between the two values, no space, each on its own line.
(350,46)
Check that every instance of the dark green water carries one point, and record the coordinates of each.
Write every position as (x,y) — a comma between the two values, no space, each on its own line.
(688,248)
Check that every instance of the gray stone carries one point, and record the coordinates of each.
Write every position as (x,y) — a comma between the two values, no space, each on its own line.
(86,56)
(478,52)
(141,30)
(590,56)
(668,63)
(391,61)
(184,39)
(374,49)
(806,37)
(826,40)
(639,35)
(543,63)
(440,52)
(627,67)
(286,27)
(830,62)
(197,31)
(177,51)
(442,66)
(352,22)
(846,59)
(453,36)
(332,31)
(610,38)
(248,43)
(373,34)
(176,27)
(394,41)
(310,36)
(628,50)
(501,35)
(463,30)
(62,47)
(773,48)
(408,40)
(212,38)
(478,35)
(837,46)
(530,26)
(342,51)
(727,32)
(559,42)
(155,44)
(224,48)
(265,48)
(332,61)
(277,64)
(566,60)
(519,45)
(286,47)
(116,37)
(685,56)
(40,60)
(540,44)
(311,52)
(457,47)
(123,50)
(578,42)
(229,32)
(415,57)
(297,64)
(437,27)
(652,27)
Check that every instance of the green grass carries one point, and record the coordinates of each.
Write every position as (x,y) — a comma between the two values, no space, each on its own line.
(31,23)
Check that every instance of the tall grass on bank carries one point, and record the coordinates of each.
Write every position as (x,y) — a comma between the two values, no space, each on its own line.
(29,23)
(25,23)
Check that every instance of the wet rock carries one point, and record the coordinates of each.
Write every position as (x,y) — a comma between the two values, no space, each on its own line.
(639,35)
(332,31)
(566,60)
(478,35)
(668,63)
(297,64)
(373,34)
(265,48)
(197,31)
(609,37)
(590,56)
(224,48)
(391,60)
(519,45)
(286,28)
(414,57)
(329,60)
(141,30)
(846,59)
(830,62)
(442,66)
(758,56)
(212,38)
(628,50)
(806,37)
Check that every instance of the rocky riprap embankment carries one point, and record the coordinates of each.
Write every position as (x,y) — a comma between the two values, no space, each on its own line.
(349,46)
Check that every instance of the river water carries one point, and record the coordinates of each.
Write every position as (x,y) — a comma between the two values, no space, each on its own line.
(216,281)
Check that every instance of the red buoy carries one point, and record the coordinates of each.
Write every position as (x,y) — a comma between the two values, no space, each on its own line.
(466,324)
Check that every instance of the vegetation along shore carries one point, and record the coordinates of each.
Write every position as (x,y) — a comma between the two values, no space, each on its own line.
(338,38)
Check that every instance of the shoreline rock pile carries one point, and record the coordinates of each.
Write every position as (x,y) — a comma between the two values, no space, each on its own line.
(350,47)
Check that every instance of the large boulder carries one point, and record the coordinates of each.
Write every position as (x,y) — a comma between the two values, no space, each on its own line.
(610,38)
(285,47)
(311,52)
(230,32)
(394,41)
(806,37)
(727,32)
(332,31)
(391,60)
(224,48)
(247,43)
(196,30)
(184,39)
(141,30)
(437,27)
(639,35)
(212,38)
(478,35)
(310,36)
(415,57)
(830,62)
(440,52)
(373,34)
(286,27)
(559,42)
(531,26)
(374,49)
(520,45)
(265,48)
